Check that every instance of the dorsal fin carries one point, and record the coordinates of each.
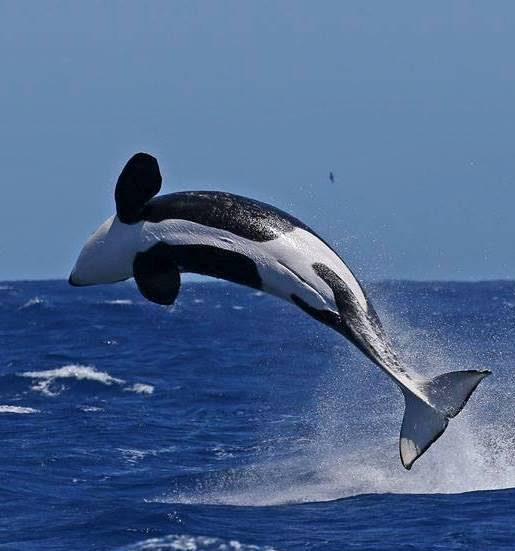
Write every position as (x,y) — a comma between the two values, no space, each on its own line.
(138,182)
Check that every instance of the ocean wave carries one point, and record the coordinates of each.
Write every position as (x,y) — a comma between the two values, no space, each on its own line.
(119,301)
(134,455)
(35,302)
(193,543)
(17,409)
(90,409)
(316,476)
(47,381)
(140,388)
(347,455)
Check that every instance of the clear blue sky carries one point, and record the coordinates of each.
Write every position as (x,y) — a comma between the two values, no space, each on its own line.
(410,104)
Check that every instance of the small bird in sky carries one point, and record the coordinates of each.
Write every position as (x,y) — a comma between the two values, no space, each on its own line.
(331,177)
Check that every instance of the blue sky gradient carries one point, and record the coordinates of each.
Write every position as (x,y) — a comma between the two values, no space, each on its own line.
(410,104)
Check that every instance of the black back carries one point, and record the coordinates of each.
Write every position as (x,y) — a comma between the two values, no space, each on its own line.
(244,217)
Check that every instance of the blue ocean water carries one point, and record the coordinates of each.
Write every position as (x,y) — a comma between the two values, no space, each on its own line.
(235,422)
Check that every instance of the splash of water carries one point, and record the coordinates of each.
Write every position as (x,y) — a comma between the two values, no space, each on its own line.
(356,417)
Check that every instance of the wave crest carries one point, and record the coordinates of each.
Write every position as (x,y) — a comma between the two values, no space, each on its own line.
(17,409)
(193,543)
(47,381)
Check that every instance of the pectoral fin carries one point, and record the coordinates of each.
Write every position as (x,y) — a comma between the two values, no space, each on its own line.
(138,182)
(157,276)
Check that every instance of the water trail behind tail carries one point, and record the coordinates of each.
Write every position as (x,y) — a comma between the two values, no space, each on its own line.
(360,456)
(355,418)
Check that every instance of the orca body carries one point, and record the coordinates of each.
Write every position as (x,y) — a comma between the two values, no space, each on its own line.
(155,239)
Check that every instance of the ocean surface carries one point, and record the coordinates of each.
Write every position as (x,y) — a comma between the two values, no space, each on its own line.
(233,421)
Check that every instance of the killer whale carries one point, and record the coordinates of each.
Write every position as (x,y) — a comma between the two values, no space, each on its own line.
(218,234)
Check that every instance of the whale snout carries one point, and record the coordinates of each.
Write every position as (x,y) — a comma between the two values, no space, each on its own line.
(75,279)
(107,256)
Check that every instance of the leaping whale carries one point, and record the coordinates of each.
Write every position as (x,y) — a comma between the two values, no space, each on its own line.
(155,239)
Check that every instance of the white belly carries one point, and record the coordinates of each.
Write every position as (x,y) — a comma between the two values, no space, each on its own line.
(285,264)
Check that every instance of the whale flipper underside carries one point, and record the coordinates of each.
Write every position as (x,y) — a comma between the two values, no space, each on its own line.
(427,417)
(157,276)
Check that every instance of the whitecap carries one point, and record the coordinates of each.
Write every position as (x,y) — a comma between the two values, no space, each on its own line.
(75,371)
(237,307)
(194,543)
(90,409)
(140,388)
(120,301)
(17,409)
(36,301)
(46,381)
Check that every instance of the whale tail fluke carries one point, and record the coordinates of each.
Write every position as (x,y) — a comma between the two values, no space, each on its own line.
(425,419)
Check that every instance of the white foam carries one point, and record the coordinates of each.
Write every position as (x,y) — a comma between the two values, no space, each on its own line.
(119,301)
(74,371)
(90,409)
(17,409)
(462,461)
(36,301)
(140,388)
(194,543)
(133,455)
(45,381)
(354,447)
